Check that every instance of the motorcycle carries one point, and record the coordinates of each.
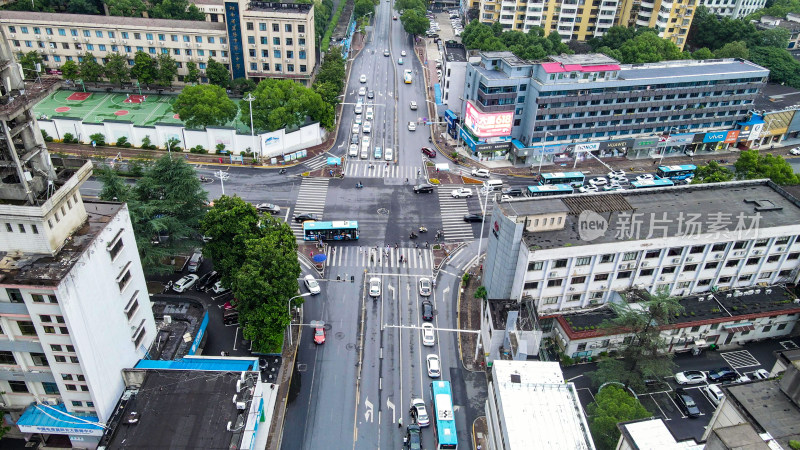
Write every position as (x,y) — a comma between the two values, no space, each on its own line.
(413,235)
(204,179)
(359,185)
(282,171)
(422,229)
(167,287)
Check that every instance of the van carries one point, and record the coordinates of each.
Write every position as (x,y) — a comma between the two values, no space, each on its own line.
(195,261)
(714,394)
(493,185)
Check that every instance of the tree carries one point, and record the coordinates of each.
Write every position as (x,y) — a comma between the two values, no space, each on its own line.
(202,105)
(28,61)
(702,53)
(89,68)
(82,7)
(735,49)
(98,138)
(754,165)
(329,92)
(114,187)
(712,173)
(145,68)
(611,406)
(332,69)
(363,7)
(176,10)
(414,22)
(69,70)
(116,69)
(218,74)
(127,8)
(405,5)
(192,73)
(641,357)
(648,47)
(242,86)
(286,104)
(167,69)
(782,67)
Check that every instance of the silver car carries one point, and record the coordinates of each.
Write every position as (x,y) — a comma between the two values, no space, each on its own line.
(374,287)
(424,287)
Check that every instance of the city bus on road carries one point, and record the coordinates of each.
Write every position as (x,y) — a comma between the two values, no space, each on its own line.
(676,173)
(407,76)
(444,421)
(342,230)
(574,179)
(654,183)
(549,189)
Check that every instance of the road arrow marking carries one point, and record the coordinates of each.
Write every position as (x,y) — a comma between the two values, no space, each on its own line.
(368,413)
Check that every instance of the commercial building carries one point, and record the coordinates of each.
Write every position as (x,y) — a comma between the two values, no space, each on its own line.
(556,111)
(531,407)
(74,308)
(255,39)
(576,251)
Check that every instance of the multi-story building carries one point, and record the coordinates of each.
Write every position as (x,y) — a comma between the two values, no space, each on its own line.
(576,251)
(74,307)
(791,24)
(255,40)
(672,18)
(572,104)
(735,9)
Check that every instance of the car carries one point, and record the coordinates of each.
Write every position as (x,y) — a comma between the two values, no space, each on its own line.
(690,377)
(419,413)
(413,105)
(356,128)
(473,218)
(512,192)
(714,394)
(645,177)
(378,152)
(412,126)
(722,375)
(427,310)
(354,139)
(402,53)
(185,283)
(425,286)
(367,127)
(359,108)
(599,181)
(353,150)
(370,113)
(311,284)
(365,152)
(362,90)
(587,188)
(688,180)
(218,288)
(206,280)
(505,198)
(300,218)
(423,188)
(413,438)
(388,154)
(363,78)
(195,261)
(616,174)
(358,119)
(394,17)
(434,367)
(480,173)
(365,141)
(319,331)
(386,52)
(428,335)
(686,403)
(795,151)
(461,193)
(407,76)
(613,187)
(269,208)
(370,94)
(439,73)
(399,61)
(429,152)
(760,374)
(374,287)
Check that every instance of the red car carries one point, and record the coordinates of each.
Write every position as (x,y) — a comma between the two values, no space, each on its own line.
(429,152)
(319,332)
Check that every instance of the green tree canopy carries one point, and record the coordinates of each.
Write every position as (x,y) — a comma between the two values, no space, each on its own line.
(735,49)
(648,47)
(713,172)
(414,22)
(405,5)
(286,104)
(242,86)
(69,70)
(776,8)
(145,68)
(218,74)
(611,406)
(530,46)
(28,61)
(116,69)
(702,53)
(82,7)
(176,10)
(192,73)
(753,165)
(90,69)
(167,69)
(127,8)
(782,67)
(204,104)
(363,7)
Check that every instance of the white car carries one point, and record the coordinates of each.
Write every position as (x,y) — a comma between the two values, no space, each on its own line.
(365,141)
(714,394)
(480,173)
(587,188)
(386,52)
(367,127)
(418,408)
(358,119)
(795,151)
(616,174)
(412,126)
(364,152)
(428,335)
(691,377)
(374,287)
(311,284)
(413,105)
(359,108)
(370,113)
(218,288)
(599,181)
(613,187)
(403,53)
(461,193)
(434,368)
(362,90)
(645,177)
(353,150)
(363,78)
(388,154)
(760,374)
(424,286)
(185,283)
(356,128)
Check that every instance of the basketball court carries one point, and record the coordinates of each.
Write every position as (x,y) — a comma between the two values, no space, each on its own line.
(95,107)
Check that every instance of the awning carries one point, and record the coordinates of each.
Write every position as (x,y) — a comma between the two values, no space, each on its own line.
(739,327)
(333,161)
(47,419)
(437,93)
(700,343)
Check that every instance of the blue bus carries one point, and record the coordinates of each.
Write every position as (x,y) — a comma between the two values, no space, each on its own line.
(342,230)
(676,173)
(445,422)
(549,189)
(654,183)
(574,179)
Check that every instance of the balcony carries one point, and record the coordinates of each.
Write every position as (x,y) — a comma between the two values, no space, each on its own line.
(34,92)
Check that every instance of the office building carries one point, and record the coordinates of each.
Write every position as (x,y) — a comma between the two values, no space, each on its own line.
(531,407)
(576,251)
(572,104)
(253,40)
(74,308)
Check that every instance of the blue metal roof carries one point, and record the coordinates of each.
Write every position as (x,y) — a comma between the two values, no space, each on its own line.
(217,364)
(56,420)
(437,93)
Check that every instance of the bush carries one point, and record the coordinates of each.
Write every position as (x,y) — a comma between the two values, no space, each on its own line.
(97,138)
(567,361)
(123,142)
(198,149)
(249,154)
(46,137)
(147,144)
(221,149)
(465,279)
(69,138)
(435,181)
(173,144)
(795,445)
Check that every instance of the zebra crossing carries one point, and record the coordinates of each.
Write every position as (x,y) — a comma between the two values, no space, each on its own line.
(310,200)
(317,162)
(383,257)
(740,359)
(378,169)
(453,212)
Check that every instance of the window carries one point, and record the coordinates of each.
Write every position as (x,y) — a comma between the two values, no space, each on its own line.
(646,272)
(550,300)
(607,258)
(779,327)
(276,54)
(718,248)
(675,252)
(531,285)
(744,278)
(303,66)
(761,243)
(14,295)
(583,261)
(578,280)
(7,357)
(695,329)
(74,359)
(276,27)
(302,54)
(670,269)
(724,279)
(9,228)
(766,328)
(138,36)
(123,279)
(574,298)
(739,245)
(50,388)
(26,327)
(18,386)
(765,275)
(554,283)
(711,265)
(60,358)
(628,256)
(697,249)
(187,39)
(560,263)
(652,254)
(704,282)
(301,28)
(601,277)
(535,265)
(39,359)
(116,248)
(287,28)
(752,261)
(793,256)
(625,274)
(124,35)
(690,268)
(774,258)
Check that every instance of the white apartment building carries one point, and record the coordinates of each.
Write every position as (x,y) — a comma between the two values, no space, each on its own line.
(735,9)
(576,251)
(74,307)
(255,40)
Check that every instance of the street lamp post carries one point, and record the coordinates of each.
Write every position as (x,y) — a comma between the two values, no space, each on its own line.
(249,99)
(290,314)
(222,177)
(483,221)
(664,150)
(541,154)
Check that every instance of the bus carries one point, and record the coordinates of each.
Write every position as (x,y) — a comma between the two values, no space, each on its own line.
(654,183)
(342,230)
(445,422)
(676,173)
(549,189)
(574,179)
(407,76)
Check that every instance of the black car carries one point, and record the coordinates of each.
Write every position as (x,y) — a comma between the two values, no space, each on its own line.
(427,311)
(512,192)
(269,208)
(413,439)
(429,152)
(722,375)
(300,218)
(686,403)
(473,218)
(370,94)
(423,188)
(207,280)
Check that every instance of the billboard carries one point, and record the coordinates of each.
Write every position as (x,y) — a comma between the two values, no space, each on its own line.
(488,124)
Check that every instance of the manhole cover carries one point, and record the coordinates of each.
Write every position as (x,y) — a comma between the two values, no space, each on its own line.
(339,335)
(302,367)
(350,346)
(383,211)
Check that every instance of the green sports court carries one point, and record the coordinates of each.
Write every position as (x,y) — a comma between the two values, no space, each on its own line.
(95,107)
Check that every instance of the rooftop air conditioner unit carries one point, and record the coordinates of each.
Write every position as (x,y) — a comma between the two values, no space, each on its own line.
(662,278)
(188,44)
(718,256)
(690,259)
(224,46)
(264,59)
(51,401)
(49,37)
(740,253)
(302,35)
(241,406)
(779,249)
(645,264)
(12,36)
(758,252)
(676,260)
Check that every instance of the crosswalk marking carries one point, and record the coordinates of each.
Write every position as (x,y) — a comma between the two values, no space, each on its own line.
(453,212)
(740,359)
(379,169)
(317,162)
(310,200)
(359,256)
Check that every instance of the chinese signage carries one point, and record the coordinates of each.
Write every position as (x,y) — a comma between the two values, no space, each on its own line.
(729,137)
(636,226)
(235,39)
(61,430)
(488,124)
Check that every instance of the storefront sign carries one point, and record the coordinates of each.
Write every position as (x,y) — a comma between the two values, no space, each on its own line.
(587,147)
(645,142)
(488,124)
(617,145)
(730,138)
(683,139)
(717,136)
(494,146)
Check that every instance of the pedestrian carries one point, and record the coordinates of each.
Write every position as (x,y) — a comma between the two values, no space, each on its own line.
(311,254)
(371,258)
(400,423)
(426,244)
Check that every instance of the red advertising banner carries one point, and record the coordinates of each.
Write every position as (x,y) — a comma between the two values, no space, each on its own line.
(731,137)
(488,124)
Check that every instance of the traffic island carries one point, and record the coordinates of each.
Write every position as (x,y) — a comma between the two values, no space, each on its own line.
(442,251)
(469,318)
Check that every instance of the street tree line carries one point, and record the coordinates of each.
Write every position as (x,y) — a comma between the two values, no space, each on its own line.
(163,9)
(413,16)
(751,165)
